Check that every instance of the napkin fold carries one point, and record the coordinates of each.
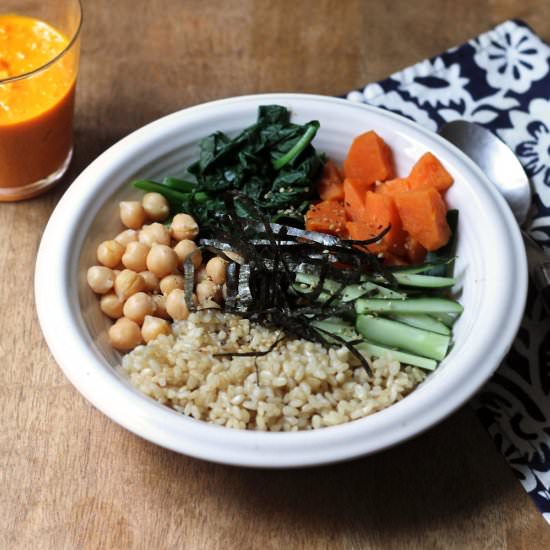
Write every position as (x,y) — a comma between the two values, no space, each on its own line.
(501,80)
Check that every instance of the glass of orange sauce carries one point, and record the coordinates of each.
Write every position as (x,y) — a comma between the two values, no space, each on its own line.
(39,56)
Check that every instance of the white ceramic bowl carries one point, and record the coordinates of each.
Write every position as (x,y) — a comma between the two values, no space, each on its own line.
(491,268)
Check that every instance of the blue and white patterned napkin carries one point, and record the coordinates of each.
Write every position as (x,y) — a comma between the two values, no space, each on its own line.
(501,80)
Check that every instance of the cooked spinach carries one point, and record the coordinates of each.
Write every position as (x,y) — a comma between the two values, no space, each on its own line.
(271,162)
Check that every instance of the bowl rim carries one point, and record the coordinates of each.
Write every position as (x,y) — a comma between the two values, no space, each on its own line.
(154,422)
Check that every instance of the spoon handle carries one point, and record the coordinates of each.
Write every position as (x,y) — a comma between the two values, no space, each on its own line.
(539,268)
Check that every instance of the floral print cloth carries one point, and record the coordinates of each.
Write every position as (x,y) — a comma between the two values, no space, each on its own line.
(501,80)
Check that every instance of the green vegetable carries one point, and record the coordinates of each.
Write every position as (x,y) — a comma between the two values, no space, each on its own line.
(373,350)
(347,332)
(353,292)
(271,162)
(419,324)
(425,322)
(447,319)
(424,281)
(409,305)
(178,184)
(406,338)
(173,196)
(298,147)
(337,326)
(306,281)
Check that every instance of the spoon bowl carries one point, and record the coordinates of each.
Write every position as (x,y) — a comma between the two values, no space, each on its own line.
(497,161)
(503,169)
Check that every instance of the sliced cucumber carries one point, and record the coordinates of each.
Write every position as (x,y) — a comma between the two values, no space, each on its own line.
(369,349)
(409,305)
(425,322)
(404,337)
(337,327)
(448,319)
(305,282)
(424,281)
(353,292)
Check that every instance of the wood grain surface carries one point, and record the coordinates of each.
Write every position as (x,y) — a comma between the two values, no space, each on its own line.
(71,478)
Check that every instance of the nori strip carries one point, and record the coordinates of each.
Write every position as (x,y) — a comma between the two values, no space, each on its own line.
(189,280)
(261,288)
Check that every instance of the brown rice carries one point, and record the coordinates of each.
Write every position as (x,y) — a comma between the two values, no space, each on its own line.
(302,385)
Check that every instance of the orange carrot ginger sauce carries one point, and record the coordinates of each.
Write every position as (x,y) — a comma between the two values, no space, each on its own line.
(36,112)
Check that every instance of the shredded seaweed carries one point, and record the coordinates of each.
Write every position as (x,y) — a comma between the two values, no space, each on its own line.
(189,280)
(260,289)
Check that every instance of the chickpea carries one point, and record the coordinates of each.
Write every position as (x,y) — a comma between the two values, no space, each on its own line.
(137,306)
(170,282)
(160,306)
(151,281)
(125,334)
(109,253)
(161,260)
(132,214)
(215,268)
(184,226)
(156,206)
(186,247)
(176,306)
(201,275)
(135,256)
(208,290)
(126,237)
(154,233)
(128,282)
(111,305)
(152,327)
(101,279)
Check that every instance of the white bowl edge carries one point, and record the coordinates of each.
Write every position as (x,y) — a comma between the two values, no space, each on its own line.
(64,332)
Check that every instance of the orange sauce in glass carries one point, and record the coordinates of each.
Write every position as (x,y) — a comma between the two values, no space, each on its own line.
(36,112)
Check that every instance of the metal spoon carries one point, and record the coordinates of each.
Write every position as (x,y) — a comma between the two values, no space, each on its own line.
(504,170)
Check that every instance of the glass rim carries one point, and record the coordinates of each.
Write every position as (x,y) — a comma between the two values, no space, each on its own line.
(54,59)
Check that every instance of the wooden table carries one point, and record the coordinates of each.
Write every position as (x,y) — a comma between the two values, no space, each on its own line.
(70,477)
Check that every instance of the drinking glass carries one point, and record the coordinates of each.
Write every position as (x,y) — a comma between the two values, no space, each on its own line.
(39,56)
